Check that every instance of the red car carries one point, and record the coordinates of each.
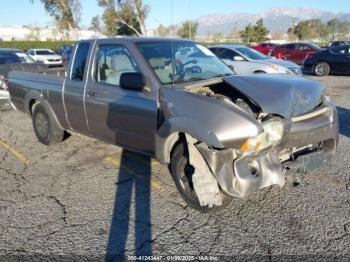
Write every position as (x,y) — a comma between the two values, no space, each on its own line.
(265,48)
(295,52)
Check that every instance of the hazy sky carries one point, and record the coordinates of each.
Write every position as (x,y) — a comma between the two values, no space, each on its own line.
(23,12)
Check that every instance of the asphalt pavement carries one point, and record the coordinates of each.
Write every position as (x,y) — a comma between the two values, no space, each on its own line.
(86,200)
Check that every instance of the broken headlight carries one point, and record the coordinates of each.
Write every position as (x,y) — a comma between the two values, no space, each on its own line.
(272,136)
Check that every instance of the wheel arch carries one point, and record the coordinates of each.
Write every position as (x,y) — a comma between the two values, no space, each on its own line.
(173,131)
(32,98)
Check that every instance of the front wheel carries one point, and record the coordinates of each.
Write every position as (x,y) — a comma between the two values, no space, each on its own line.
(322,69)
(45,128)
(182,172)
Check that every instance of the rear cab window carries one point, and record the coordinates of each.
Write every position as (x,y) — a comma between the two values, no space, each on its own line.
(79,62)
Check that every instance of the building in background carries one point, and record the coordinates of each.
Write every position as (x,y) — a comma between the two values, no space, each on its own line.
(33,33)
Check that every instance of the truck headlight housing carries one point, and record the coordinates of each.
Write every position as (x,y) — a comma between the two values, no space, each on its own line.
(272,136)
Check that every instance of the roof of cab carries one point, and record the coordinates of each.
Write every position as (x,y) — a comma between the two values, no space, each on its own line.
(137,39)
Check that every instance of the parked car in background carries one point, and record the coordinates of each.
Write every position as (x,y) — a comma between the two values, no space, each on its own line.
(295,52)
(264,48)
(338,43)
(248,61)
(45,56)
(9,57)
(221,135)
(335,60)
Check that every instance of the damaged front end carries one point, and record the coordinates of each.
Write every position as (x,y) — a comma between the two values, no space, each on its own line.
(254,154)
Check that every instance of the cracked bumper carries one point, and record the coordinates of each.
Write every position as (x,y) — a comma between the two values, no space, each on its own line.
(310,141)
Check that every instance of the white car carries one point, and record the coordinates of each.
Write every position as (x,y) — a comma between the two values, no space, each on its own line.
(45,56)
(246,60)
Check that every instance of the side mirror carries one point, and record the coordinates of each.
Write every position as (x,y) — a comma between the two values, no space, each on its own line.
(238,58)
(132,81)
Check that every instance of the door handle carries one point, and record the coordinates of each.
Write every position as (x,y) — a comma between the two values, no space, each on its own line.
(91,93)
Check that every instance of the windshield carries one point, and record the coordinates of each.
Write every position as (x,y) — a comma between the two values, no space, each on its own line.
(251,53)
(44,52)
(180,62)
(14,58)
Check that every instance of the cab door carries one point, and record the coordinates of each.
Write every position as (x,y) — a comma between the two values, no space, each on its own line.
(74,87)
(116,115)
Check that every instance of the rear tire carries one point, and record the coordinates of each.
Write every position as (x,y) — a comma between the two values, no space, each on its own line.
(322,69)
(45,127)
(181,172)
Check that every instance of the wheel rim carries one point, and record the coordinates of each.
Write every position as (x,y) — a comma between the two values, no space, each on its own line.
(41,124)
(322,69)
(185,179)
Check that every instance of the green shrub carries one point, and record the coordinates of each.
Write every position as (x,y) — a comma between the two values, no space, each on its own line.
(26,45)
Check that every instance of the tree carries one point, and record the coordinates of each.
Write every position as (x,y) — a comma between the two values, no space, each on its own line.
(65,12)
(188,30)
(309,29)
(257,33)
(248,35)
(260,31)
(337,29)
(96,24)
(124,17)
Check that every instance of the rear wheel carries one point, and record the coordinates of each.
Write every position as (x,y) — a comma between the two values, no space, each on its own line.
(322,69)
(45,128)
(182,173)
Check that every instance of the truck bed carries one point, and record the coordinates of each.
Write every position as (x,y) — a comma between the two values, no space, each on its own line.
(47,83)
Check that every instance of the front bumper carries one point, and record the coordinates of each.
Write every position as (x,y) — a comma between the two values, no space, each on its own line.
(309,142)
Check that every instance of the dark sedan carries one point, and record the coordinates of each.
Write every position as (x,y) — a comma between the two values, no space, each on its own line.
(331,61)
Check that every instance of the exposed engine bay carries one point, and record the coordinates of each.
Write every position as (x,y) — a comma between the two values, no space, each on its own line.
(261,160)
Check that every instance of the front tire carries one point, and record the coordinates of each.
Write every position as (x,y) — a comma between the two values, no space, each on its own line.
(182,172)
(322,69)
(45,127)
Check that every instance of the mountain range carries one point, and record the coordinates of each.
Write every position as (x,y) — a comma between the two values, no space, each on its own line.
(277,19)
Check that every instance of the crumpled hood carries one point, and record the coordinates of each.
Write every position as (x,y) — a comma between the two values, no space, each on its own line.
(283,95)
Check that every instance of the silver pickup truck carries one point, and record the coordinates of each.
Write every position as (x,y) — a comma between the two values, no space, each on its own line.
(222,135)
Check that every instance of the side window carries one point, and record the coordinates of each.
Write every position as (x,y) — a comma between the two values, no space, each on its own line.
(302,47)
(111,62)
(227,54)
(340,50)
(78,68)
(289,47)
(264,45)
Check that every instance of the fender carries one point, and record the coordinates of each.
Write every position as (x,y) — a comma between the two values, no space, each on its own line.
(168,135)
(33,94)
(217,123)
